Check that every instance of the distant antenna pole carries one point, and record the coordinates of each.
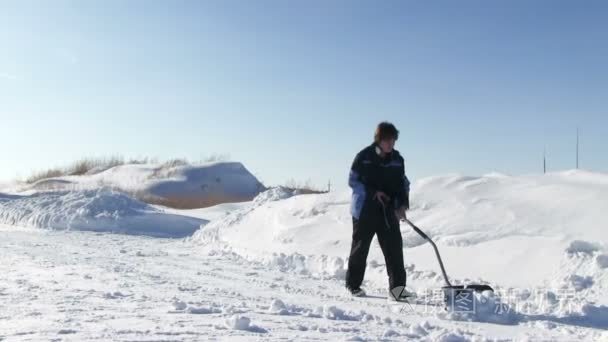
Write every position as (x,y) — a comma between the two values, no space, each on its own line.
(329,185)
(577,147)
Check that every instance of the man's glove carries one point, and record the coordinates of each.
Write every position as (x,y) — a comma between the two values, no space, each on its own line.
(382,197)
(400,213)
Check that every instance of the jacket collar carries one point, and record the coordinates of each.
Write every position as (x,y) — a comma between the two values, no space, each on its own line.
(377,150)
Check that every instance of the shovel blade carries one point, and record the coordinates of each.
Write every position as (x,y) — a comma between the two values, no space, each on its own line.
(461,298)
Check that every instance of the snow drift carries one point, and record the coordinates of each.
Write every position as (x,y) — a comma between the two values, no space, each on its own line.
(102,210)
(183,186)
(527,232)
(198,187)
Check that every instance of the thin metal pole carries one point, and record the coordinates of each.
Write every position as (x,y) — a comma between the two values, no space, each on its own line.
(427,238)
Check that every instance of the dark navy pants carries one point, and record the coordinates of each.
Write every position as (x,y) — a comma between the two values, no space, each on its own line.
(375,221)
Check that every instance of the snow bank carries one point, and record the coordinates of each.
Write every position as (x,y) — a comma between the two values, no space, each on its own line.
(203,186)
(273,194)
(190,186)
(102,210)
(212,230)
(274,232)
(544,232)
(509,220)
(463,211)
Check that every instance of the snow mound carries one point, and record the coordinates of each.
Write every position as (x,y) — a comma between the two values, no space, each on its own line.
(211,232)
(451,337)
(102,210)
(515,222)
(418,330)
(278,307)
(334,313)
(237,322)
(182,186)
(180,305)
(273,194)
(390,333)
(272,217)
(204,186)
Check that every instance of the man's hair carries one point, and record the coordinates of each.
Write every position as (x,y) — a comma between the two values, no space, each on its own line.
(385,130)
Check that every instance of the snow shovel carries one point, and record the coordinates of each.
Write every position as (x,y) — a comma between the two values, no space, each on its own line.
(455,297)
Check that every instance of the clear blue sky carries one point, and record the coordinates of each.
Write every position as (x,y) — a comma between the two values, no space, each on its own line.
(293,89)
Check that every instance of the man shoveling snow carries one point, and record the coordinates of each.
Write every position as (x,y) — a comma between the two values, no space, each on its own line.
(380,199)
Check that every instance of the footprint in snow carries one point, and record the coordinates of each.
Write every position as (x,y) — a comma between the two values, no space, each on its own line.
(115,295)
(188,289)
(66,332)
(202,310)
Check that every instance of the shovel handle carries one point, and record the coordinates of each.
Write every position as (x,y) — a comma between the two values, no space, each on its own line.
(427,238)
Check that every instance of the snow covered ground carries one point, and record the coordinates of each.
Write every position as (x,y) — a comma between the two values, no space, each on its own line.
(273,268)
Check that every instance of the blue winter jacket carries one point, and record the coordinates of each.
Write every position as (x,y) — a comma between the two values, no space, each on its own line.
(371,173)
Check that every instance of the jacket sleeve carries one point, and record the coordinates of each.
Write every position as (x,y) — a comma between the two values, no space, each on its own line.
(357,178)
(406,190)
(360,189)
(403,198)
(354,181)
